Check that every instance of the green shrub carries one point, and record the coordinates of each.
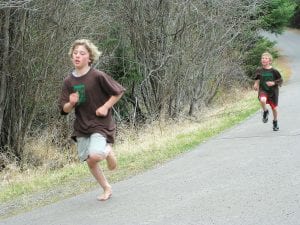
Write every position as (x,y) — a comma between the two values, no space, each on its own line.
(252,57)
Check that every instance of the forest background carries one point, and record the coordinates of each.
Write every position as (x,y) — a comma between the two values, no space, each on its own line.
(175,59)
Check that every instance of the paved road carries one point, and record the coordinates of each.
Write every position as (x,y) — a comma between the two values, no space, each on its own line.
(249,175)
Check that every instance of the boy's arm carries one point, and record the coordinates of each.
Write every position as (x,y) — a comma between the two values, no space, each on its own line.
(256,85)
(257,77)
(103,110)
(278,78)
(278,81)
(68,107)
(73,99)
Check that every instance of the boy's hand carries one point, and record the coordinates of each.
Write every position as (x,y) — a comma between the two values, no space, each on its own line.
(270,83)
(102,111)
(74,98)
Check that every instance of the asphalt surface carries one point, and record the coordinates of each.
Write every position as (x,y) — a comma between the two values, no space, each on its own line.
(248,175)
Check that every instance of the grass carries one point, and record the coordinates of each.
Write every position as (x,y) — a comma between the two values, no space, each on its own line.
(157,144)
(39,180)
(136,151)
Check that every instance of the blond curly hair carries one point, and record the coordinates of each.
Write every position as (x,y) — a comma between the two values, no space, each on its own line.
(92,49)
(268,55)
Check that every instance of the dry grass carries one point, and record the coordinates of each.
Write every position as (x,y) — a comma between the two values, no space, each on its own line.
(283,66)
(40,156)
(159,133)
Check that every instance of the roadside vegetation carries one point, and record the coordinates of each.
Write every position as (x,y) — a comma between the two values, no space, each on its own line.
(137,151)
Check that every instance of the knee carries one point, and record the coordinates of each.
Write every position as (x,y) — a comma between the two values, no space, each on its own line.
(93,159)
(274,110)
(263,99)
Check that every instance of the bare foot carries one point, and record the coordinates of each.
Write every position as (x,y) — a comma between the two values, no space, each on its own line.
(111,160)
(106,194)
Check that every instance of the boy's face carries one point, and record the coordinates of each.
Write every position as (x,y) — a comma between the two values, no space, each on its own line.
(80,57)
(265,61)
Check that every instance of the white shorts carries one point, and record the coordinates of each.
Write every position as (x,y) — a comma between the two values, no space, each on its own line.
(94,144)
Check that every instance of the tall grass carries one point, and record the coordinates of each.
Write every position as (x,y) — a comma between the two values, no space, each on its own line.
(137,151)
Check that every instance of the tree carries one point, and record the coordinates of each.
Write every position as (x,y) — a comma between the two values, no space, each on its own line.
(36,36)
(295,20)
(275,15)
(184,51)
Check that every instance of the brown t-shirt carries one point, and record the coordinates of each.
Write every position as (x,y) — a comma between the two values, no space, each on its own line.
(94,88)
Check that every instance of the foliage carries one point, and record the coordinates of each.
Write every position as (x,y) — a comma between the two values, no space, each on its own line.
(274,15)
(120,65)
(295,20)
(184,52)
(253,56)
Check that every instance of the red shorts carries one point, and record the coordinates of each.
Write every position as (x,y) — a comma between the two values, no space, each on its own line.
(269,101)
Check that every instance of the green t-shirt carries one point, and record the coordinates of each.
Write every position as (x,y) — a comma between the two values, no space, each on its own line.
(265,75)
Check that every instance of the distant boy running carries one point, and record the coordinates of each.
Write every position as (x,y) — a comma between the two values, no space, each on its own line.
(267,82)
(92,94)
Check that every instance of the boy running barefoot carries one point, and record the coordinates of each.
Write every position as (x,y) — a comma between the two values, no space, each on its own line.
(92,94)
(267,82)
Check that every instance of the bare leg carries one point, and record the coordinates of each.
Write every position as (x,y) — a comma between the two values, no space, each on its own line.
(275,114)
(93,163)
(111,158)
(263,103)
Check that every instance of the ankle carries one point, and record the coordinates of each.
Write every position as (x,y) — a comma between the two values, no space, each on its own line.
(107,188)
